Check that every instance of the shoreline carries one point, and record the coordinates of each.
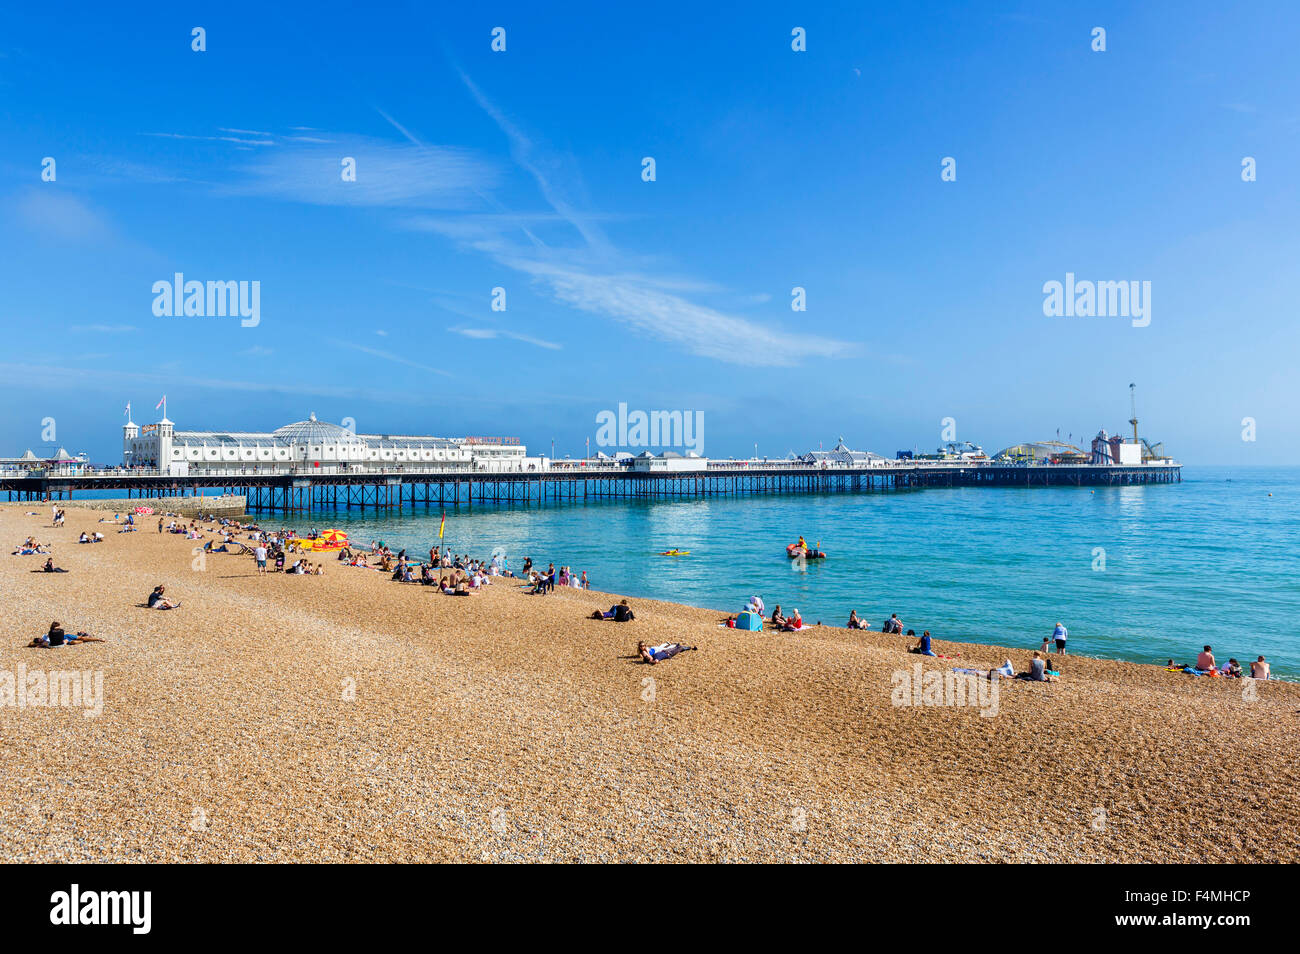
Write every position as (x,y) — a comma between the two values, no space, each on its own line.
(501,728)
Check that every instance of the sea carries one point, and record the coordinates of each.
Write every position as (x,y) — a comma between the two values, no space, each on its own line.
(1142,573)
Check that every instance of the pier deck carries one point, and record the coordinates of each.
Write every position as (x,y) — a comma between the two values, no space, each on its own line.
(304,491)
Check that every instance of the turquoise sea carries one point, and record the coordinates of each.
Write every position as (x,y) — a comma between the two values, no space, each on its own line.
(1210,560)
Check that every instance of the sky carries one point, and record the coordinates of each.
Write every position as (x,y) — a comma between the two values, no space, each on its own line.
(775,169)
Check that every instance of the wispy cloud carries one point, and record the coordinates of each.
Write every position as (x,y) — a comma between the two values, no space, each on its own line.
(112,381)
(387,174)
(387,356)
(487,334)
(597,278)
(103,329)
(60,215)
(233,139)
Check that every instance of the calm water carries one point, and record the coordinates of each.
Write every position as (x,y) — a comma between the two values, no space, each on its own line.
(1212,559)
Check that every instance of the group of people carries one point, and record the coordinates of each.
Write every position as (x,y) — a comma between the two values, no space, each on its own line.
(1206,665)
(545,581)
(31,546)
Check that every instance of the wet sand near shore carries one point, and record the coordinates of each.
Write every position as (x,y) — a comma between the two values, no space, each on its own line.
(349,718)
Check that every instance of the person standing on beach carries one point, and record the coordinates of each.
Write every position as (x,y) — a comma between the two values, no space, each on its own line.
(1060,634)
(259,554)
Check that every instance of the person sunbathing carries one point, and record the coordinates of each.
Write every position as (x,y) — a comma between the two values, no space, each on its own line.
(854,622)
(620,612)
(57,637)
(654,654)
(1259,669)
(158,601)
(49,567)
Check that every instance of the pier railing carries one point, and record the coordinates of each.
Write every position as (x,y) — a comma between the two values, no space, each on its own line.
(306,489)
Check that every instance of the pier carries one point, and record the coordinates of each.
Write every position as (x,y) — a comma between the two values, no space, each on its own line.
(399,489)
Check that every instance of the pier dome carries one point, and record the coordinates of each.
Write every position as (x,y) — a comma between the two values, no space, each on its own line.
(312,431)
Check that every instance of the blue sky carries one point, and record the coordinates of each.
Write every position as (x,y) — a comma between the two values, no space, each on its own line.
(775,169)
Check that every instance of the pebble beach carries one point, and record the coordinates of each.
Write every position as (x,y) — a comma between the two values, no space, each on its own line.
(348,718)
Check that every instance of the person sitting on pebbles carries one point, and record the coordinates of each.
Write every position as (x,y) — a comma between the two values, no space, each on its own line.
(654,654)
(49,567)
(158,601)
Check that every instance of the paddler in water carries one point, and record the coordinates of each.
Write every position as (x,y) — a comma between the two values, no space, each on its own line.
(802,544)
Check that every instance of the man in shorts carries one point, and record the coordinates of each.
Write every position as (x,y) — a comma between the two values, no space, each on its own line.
(259,554)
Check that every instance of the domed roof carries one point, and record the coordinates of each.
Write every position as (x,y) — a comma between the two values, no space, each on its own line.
(312,431)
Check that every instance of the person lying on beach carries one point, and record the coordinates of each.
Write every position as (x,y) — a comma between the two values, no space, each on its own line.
(1259,669)
(654,654)
(57,637)
(620,612)
(49,567)
(922,646)
(158,601)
